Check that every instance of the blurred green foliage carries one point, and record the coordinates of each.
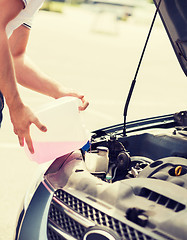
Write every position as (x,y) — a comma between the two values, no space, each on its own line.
(53,6)
(57,5)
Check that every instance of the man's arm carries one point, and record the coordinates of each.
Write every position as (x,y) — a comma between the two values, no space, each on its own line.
(30,76)
(20,115)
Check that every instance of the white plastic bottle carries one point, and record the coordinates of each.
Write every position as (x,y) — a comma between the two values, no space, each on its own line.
(66,131)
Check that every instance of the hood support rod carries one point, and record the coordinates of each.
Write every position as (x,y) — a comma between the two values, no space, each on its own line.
(137,70)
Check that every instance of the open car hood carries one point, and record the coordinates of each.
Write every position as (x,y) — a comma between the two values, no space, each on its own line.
(174,17)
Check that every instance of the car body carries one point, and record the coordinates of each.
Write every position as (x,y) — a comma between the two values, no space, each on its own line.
(128,182)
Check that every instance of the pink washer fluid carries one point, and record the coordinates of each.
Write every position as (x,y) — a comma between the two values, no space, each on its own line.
(66,131)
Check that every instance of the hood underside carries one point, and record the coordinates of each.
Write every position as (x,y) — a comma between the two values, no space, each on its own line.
(174,17)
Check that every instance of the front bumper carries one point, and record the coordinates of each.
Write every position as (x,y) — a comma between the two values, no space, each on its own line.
(33,224)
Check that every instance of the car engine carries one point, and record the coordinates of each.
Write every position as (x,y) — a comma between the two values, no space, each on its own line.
(132,187)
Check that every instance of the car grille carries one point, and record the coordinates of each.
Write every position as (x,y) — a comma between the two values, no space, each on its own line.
(58,217)
(53,235)
(65,222)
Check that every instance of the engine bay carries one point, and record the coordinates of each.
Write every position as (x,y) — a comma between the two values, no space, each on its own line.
(139,180)
(157,153)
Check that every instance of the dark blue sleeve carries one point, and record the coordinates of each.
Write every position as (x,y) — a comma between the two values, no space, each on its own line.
(1,107)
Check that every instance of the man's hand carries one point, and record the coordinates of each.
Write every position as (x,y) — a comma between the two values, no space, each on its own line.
(70,92)
(22,117)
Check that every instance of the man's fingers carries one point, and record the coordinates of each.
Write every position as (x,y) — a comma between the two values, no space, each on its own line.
(22,118)
(21,140)
(28,137)
(40,125)
(73,93)
(84,104)
(28,141)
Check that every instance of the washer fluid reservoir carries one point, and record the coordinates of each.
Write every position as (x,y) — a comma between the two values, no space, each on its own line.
(97,161)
